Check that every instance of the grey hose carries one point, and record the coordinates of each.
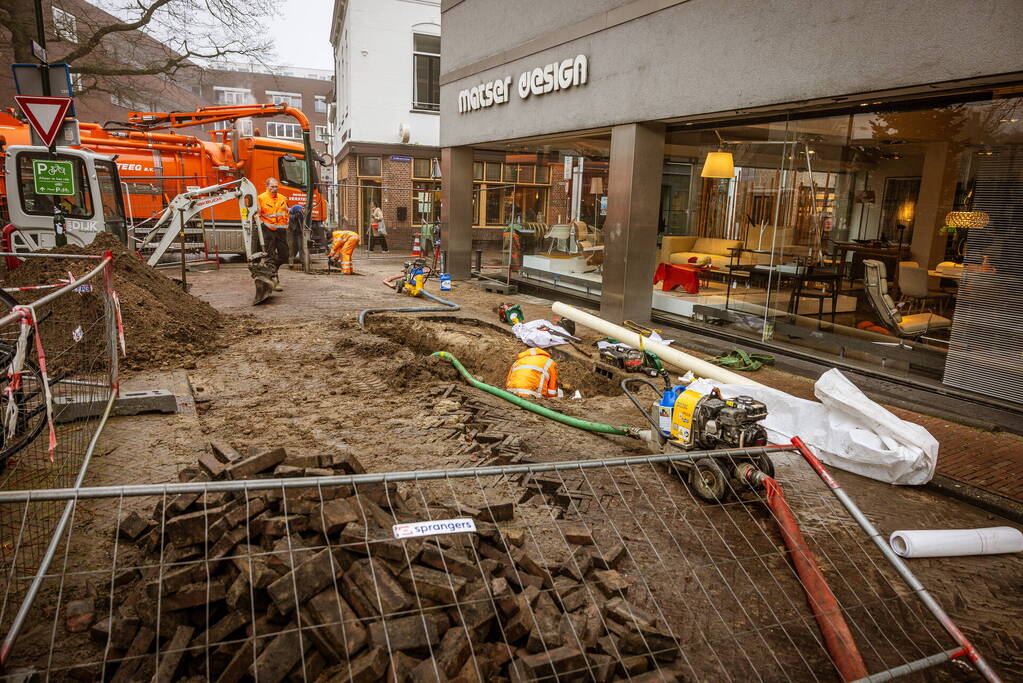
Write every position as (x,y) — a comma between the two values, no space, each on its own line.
(448,306)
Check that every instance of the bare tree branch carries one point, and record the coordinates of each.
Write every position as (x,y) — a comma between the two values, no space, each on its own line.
(94,40)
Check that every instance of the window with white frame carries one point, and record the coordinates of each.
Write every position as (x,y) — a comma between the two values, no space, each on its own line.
(292,131)
(426,72)
(321,104)
(290,99)
(322,133)
(232,95)
(65,26)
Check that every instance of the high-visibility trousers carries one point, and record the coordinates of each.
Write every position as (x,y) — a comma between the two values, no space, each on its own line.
(342,247)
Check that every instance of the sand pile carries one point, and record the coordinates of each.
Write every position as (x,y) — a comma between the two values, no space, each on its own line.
(162,324)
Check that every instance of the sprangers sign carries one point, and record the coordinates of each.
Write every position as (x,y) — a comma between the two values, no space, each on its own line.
(434,527)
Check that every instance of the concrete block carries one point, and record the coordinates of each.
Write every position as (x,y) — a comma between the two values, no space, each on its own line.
(69,409)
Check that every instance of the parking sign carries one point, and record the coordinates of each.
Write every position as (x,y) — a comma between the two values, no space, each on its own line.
(53,177)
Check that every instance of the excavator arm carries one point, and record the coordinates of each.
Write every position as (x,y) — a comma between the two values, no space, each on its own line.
(188,204)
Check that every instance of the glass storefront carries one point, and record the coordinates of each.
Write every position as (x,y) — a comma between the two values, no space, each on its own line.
(870,233)
(540,207)
(891,234)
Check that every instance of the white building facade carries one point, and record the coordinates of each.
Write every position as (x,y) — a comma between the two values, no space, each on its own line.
(385,114)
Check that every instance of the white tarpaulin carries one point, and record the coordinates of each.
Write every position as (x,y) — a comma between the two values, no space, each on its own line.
(530,334)
(846,429)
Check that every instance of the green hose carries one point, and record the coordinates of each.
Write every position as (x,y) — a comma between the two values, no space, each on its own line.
(539,410)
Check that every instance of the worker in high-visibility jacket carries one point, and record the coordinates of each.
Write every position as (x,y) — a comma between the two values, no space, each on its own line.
(534,374)
(342,245)
(273,214)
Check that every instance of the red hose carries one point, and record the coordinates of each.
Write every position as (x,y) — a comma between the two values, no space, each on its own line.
(838,639)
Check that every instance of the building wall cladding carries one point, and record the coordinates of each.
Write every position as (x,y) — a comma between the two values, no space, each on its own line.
(694,57)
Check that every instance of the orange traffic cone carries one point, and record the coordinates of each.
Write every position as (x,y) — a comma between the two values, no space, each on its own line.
(417,248)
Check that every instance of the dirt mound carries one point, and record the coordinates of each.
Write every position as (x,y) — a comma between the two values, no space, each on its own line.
(162,324)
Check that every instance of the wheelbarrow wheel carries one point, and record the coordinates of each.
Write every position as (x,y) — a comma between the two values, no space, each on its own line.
(708,480)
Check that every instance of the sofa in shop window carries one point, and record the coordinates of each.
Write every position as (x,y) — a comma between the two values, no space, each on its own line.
(679,250)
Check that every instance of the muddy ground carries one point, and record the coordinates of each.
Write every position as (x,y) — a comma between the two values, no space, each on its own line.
(300,373)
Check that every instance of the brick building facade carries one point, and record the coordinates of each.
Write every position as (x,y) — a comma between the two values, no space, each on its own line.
(109,99)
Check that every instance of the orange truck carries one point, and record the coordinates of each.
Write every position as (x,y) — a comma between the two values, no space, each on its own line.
(155,164)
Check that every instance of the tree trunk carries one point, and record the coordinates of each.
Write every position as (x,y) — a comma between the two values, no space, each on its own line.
(23,28)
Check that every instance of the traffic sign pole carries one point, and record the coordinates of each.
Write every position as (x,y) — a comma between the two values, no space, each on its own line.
(58,217)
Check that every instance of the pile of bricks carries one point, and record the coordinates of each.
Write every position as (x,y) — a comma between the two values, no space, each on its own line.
(311,584)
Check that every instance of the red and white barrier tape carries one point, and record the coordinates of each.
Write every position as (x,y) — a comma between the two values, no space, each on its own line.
(10,414)
(27,313)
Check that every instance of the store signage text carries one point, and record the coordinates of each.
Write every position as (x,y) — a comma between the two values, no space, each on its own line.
(534,82)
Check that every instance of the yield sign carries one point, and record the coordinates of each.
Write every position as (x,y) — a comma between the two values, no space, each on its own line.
(45,114)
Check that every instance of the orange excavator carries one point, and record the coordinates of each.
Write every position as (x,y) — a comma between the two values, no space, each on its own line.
(155,164)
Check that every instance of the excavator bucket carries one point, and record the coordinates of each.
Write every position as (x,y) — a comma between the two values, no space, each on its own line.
(262,276)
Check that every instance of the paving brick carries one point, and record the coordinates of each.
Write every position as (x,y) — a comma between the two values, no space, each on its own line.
(308,579)
(256,464)
(435,585)
(416,632)
(118,632)
(341,634)
(551,663)
(280,656)
(377,583)
(332,517)
(133,655)
(78,615)
(173,652)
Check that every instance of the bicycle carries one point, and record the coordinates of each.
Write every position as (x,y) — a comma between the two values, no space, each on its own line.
(25,390)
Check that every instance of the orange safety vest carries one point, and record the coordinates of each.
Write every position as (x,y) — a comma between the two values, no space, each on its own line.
(534,373)
(273,211)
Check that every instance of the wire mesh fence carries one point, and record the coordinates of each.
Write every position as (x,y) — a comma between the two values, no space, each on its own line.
(585,570)
(58,354)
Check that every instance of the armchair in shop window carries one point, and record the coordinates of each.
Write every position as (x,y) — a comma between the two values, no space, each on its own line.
(562,236)
(914,283)
(875,284)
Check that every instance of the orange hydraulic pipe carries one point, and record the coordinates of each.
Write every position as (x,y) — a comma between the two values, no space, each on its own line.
(134,144)
(838,639)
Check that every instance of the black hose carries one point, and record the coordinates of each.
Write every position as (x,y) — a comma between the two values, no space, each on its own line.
(635,401)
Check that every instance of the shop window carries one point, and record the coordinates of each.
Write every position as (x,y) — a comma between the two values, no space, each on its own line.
(423,168)
(425,202)
(477,170)
(543,174)
(426,72)
(492,172)
(65,25)
(511,173)
(369,166)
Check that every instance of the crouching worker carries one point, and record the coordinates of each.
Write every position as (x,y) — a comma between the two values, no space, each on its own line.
(534,374)
(342,245)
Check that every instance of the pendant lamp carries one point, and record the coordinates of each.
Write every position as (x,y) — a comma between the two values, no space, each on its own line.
(718,165)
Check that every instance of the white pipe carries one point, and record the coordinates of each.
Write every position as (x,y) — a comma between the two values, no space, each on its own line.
(954,542)
(667,354)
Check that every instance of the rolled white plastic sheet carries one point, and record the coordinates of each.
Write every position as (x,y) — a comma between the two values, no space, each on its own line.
(667,354)
(954,542)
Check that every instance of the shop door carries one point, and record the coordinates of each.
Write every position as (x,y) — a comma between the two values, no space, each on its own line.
(369,196)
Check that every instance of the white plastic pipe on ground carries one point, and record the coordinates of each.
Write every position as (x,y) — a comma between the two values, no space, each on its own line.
(667,354)
(954,542)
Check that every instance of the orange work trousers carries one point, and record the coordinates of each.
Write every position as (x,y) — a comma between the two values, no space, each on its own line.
(344,243)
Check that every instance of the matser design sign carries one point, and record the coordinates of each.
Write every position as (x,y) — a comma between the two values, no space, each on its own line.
(535,82)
